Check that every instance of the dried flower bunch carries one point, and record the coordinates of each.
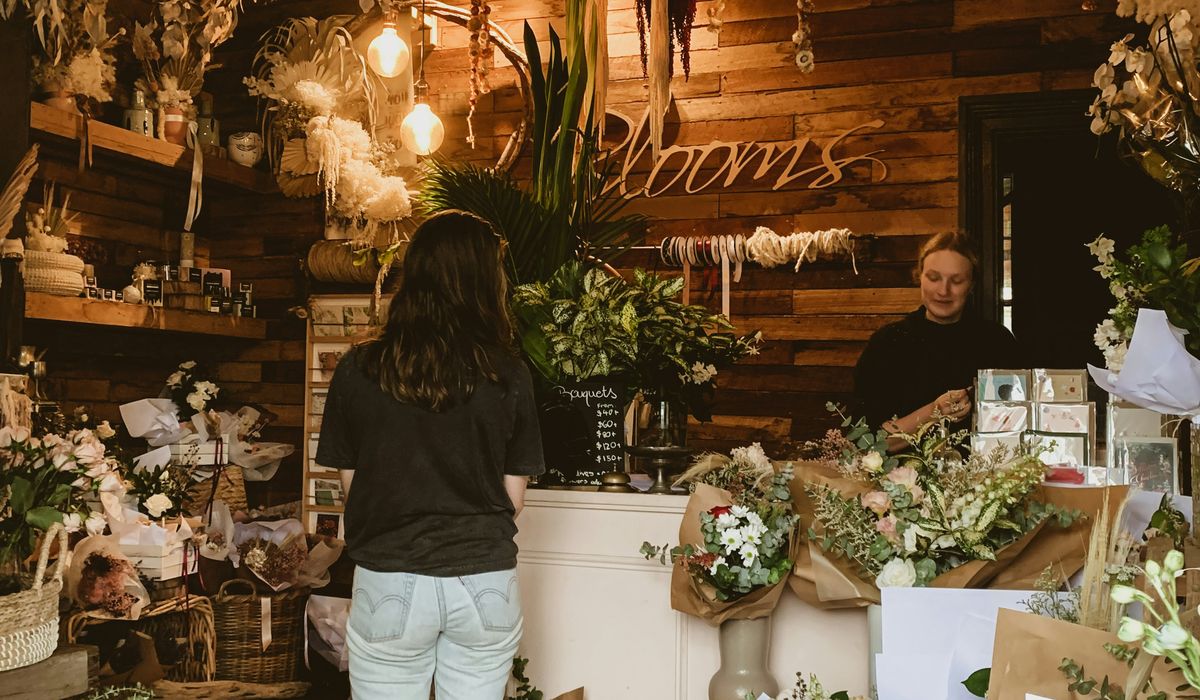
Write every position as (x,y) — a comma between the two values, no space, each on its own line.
(190,391)
(102,584)
(320,99)
(681,15)
(176,48)
(746,543)
(46,227)
(277,565)
(802,37)
(929,510)
(77,48)
(809,689)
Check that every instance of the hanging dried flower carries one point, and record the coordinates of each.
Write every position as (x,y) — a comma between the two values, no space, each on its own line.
(803,36)
(479,48)
(680,14)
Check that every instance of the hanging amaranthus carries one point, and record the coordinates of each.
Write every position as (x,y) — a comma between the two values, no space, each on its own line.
(479,48)
(680,15)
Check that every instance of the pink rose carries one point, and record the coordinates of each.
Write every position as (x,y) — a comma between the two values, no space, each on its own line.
(918,494)
(903,476)
(876,502)
(886,526)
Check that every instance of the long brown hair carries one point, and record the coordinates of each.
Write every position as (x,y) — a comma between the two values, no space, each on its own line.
(449,320)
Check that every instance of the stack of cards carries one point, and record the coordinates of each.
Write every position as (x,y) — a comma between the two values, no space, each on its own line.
(1042,408)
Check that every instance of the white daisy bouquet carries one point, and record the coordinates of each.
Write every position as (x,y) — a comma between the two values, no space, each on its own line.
(190,392)
(744,541)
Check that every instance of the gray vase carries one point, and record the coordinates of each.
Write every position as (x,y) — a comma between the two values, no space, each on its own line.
(744,648)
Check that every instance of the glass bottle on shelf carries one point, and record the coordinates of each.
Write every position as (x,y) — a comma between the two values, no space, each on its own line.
(208,130)
(138,118)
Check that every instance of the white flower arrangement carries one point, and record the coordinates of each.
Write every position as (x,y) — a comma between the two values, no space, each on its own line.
(189,392)
(76,56)
(157,504)
(46,227)
(175,48)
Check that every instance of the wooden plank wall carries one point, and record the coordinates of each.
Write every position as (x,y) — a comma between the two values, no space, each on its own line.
(904,62)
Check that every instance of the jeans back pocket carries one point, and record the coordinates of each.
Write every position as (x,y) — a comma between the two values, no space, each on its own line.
(381,604)
(497,599)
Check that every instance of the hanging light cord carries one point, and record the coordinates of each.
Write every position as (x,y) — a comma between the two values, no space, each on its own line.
(421,87)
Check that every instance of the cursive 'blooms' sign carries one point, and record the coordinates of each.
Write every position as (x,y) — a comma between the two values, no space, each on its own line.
(719,164)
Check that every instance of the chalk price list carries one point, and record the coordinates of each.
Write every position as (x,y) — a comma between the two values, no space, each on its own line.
(609,442)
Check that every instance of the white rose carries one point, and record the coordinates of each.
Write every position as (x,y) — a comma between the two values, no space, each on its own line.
(105,431)
(187,365)
(873,461)
(72,522)
(96,523)
(176,379)
(897,573)
(197,400)
(157,504)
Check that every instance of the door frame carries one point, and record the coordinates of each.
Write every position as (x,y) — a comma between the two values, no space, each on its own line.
(984,123)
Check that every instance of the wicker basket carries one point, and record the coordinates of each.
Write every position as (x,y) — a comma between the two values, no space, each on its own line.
(231,488)
(239,619)
(29,619)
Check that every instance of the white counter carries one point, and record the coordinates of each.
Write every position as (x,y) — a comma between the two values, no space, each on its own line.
(597,614)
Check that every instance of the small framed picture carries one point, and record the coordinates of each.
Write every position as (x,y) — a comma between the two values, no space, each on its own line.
(986,443)
(1062,449)
(317,405)
(327,524)
(327,315)
(1060,385)
(1150,463)
(325,358)
(1003,385)
(325,492)
(1065,418)
(1002,417)
(356,314)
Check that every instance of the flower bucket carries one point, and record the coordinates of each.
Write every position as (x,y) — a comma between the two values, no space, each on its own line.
(29,619)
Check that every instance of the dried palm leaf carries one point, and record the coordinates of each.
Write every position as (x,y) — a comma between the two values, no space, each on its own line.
(13,196)
(660,71)
(295,159)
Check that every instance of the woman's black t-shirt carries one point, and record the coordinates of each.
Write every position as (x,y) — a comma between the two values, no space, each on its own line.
(428,494)
(910,363)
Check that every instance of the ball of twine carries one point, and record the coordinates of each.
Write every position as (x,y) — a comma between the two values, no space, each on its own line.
(332,261)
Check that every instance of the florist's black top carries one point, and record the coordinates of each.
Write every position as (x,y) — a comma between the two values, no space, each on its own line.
(912,362)
(428,494)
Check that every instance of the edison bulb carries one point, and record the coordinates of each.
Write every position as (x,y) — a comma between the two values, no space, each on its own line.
(421,131)
(388,54)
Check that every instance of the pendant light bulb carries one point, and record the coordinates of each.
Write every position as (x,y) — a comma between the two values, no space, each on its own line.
(388,54)
(421,131)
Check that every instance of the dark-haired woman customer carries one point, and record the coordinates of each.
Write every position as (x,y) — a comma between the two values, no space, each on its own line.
(434,428)
(925,364)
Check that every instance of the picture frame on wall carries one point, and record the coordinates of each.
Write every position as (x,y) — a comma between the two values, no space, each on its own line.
(1003,385)
(327,524)
(1150,463)
(1060,385)
(326,492)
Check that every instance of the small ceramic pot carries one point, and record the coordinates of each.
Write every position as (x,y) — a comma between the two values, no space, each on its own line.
(245,148)
(174,126)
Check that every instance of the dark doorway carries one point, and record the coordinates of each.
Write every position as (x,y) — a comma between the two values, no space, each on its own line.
(1036,187)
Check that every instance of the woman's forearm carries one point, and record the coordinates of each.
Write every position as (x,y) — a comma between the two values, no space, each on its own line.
(515,486)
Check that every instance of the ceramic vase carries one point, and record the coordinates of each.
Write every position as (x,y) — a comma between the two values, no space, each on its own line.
(743,672)
(174,126)
(245,148)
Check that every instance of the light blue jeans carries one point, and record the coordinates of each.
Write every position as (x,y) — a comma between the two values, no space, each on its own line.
(403,627)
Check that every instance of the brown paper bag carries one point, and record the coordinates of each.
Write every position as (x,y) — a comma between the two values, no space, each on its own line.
(1029,649)
(691,597)
(1066,548)
(576,694)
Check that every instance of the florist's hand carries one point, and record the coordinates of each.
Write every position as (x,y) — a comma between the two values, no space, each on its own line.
(954,404)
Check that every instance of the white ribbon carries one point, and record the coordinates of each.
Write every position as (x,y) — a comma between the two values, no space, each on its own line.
(195,195)
(265,603)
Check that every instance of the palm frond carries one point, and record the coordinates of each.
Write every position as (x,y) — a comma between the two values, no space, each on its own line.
(14,191)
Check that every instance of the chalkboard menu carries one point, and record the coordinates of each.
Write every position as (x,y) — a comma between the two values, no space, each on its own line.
(583,432)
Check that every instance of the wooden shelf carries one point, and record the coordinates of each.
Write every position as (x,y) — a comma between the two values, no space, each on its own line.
(48,120)
(49,307)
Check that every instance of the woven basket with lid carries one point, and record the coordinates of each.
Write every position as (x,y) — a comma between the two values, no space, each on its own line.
(29,619)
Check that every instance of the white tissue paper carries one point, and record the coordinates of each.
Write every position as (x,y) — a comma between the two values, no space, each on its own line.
(1159,373)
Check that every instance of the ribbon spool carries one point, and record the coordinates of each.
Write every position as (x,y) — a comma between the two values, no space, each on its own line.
(331,261)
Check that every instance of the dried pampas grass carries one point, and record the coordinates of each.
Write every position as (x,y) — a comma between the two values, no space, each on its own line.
(13,196)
